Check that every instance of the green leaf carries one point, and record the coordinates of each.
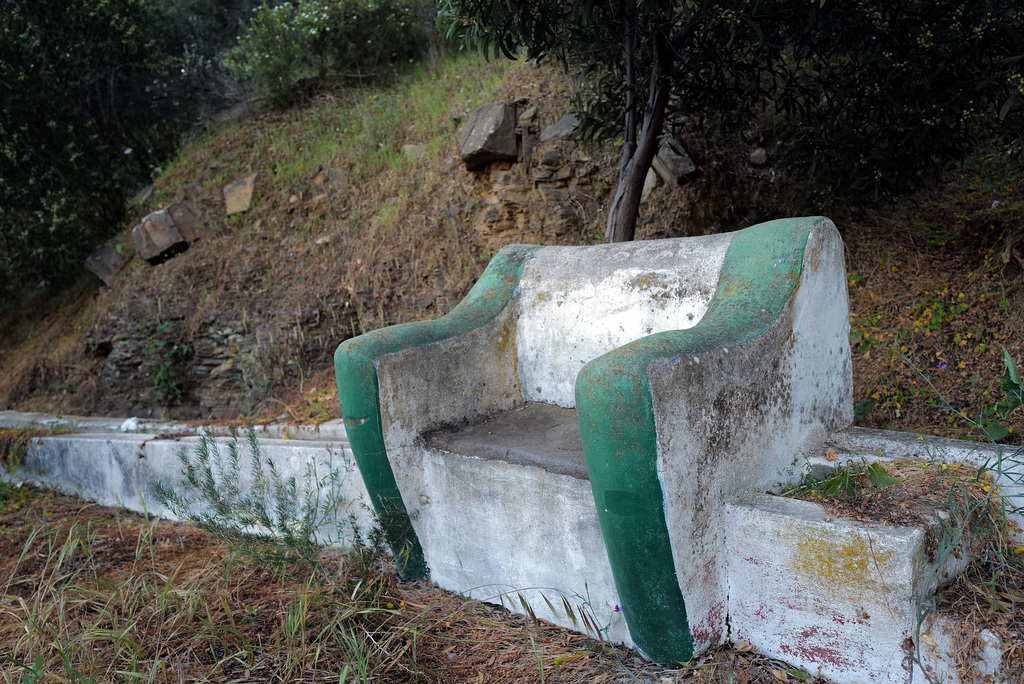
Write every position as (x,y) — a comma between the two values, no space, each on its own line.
(1006,107)
(1011,386)
(994,429)
(863,409)
(880,477)
(834,485)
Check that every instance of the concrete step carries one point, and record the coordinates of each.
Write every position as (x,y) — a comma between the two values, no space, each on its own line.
(835,597)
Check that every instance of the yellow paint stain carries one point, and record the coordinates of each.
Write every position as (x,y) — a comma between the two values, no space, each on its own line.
(507,347)
(815,256)
(846,567)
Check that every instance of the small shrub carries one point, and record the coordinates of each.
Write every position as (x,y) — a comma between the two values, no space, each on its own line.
(275,522)
(289,42)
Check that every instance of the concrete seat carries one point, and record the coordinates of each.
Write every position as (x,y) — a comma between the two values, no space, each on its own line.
(541,435)
(687,372)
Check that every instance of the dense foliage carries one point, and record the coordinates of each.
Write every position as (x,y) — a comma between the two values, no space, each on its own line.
(863,97)
(873,95)
(93,96)
(292,41)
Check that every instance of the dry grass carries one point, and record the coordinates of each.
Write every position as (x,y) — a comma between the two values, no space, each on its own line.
(89,593)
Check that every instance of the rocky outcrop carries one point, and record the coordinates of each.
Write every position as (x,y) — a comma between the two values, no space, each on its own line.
(672,164)
(489,136)
(238,195)
(107,261)
(167,231)
(543,203)
(560,130)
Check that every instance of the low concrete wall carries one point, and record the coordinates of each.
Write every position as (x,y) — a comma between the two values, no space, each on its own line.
(833,597)
(121,469)
(1004,463)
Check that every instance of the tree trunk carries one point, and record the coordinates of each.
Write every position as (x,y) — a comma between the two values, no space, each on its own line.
(638,152)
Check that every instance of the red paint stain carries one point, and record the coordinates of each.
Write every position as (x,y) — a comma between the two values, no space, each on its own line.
(754,561)
(844,620)
(710,628)
(707,576)
(810,631)
(817,654)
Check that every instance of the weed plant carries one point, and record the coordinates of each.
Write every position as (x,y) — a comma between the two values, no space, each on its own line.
(850,480)
(977,509)
(274,522)
(989,503)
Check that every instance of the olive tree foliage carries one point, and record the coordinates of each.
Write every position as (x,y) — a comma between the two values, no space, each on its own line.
(865,97)
(874,96)
(631,47)
(93,97)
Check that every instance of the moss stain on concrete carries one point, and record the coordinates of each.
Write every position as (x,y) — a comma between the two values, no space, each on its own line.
(846,566)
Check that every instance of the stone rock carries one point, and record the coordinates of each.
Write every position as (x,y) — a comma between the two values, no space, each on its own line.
(166,230)
(529,141)
(759,157)
(144,195)
(192,190)
(553,168)
(560,130)
(552,158)
(186,219)
(106,262)
(650,182)
(339,180)
(672,163)
(489,136)
(413,152)
(527,116)
(238,195)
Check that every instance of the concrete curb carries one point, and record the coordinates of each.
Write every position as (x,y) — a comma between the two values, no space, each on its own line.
(117,463)
(833,597)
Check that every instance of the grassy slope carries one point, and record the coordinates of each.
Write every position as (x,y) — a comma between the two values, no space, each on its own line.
(935,281)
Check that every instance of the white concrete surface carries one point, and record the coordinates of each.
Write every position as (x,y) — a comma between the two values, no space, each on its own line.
(836,598)
(330,431)
(122,469)
(577,304)
(943,644)
(493,529)
(732,419)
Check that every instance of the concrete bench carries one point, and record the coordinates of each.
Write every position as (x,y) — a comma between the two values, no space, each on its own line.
(580,420)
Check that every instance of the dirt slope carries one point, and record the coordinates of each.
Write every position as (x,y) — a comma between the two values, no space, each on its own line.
(347,233)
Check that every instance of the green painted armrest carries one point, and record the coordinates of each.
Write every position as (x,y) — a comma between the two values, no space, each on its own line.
(762,268)
(355,364)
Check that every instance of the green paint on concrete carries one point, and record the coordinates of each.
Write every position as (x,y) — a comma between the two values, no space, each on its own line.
(355,364)
(761,270)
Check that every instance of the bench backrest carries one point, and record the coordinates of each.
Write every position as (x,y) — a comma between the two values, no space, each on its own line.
(577,303)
